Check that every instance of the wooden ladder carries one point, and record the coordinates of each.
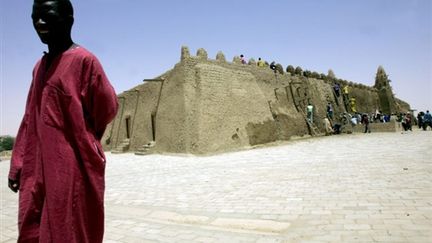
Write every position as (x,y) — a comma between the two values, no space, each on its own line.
(312,128)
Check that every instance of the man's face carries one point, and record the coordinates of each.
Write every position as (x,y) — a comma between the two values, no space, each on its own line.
(48,22)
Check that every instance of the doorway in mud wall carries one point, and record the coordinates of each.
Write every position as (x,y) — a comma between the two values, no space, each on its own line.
(127,123)
(153,126)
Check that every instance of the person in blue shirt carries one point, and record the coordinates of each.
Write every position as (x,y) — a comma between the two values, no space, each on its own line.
(427,120)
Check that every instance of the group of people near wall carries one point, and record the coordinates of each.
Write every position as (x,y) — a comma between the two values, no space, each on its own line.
(332,127)
(260,63)
(358,118)
(350,105)
(349,102)
(406,120)
(424,120)
(379,116)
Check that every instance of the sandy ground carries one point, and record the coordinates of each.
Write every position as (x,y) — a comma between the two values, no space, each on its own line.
(351,188)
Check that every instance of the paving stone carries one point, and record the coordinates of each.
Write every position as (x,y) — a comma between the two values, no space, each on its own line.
(348,188)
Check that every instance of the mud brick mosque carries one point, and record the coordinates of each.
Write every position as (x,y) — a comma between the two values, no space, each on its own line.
(205,106)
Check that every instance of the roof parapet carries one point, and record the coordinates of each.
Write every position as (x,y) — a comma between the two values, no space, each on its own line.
(236,59)
(202,54)
(252,61)
(220,57)
(184,53)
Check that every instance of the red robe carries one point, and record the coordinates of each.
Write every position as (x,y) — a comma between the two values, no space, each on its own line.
(57,155)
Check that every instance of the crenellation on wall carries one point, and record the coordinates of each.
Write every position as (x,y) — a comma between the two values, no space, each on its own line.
(202,54)
(220,57)
(205,106)
(252,62)
(184,53)
(236,60)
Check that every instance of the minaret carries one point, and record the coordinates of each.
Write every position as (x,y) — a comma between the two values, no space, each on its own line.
(385,93)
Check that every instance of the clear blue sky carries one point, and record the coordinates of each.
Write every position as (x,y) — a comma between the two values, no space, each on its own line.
(138,39)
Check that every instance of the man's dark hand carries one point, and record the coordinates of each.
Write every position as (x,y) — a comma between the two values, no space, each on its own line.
(14,185)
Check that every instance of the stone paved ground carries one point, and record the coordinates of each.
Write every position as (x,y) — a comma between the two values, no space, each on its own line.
(352,188)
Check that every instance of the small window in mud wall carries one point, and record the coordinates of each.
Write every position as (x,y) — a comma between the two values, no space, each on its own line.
(127,123)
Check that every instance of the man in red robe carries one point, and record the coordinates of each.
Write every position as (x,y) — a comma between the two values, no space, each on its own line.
(58,164)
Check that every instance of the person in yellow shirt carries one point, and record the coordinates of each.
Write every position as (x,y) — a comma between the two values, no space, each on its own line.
(260,62)
(345,90)
(353,105)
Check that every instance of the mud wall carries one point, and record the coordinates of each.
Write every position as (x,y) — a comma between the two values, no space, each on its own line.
(208,106)
(134,122)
